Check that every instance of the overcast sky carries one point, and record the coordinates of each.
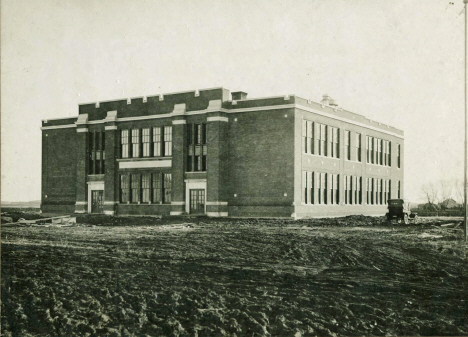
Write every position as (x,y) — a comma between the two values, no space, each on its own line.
(399,62)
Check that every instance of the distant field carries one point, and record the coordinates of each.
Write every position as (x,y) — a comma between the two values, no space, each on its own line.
(211,277)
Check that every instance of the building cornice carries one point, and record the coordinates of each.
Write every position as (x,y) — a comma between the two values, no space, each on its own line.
(238,110)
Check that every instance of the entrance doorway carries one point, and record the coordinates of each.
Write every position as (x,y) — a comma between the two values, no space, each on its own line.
(96,201)
(197,201)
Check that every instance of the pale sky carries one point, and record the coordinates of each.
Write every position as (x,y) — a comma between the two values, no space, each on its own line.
(399,62)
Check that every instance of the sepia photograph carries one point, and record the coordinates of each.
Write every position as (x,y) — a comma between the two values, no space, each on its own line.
(234,168)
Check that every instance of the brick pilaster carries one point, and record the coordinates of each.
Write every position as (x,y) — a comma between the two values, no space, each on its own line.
(81,204)
(179,145)
(217,129)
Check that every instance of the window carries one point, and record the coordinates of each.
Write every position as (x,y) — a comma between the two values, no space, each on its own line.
(358,147)
(389,189)
(334,146)
(167,141)
(146,142)
(399,156)
(384,152)
(348,190)
(135,182)
(157,188)
(96,153)
(379,152)
(356,190)
(374,151)
(197,148)
(368,148)
(399,191)
(308,137)
(359,190)
(348,145)
(135,143)
(334,190)
(124,144)
(305,190)
(322,140)
(389,153)
(323,187)
(146,187)
(167,188)
(124,188)
(156,141)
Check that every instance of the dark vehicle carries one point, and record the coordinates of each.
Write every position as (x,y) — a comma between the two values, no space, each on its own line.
(397,210)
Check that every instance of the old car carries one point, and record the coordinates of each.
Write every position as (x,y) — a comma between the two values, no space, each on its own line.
(399,210)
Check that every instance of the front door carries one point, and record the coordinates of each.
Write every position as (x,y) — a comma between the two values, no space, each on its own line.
(197,201)
(96,201)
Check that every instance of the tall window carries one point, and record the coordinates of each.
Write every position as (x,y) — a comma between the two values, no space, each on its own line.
(334,146)
(374,147)
(322,140)
(135,143)
(146,142)
(399,190)
(167,188)
(399,156)
(307,187)
(96,153)
(389,153)
(358,146)
(124,144)
(359,186)
(168,141)
(124,188)
(368,148)
(334,190)
(157,188)
(135,182)
(146,187)
(356,190)
(348,144)
(197,148)
(157,141)
(323,188)
(389,189)
(308,137)
(379,152)
(384,152)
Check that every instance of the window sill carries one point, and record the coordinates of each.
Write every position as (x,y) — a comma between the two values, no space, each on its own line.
(143,204)
(380,166)
(320,156)
(143,158)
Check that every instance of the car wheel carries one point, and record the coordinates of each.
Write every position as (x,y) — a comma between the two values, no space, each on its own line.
(405,219)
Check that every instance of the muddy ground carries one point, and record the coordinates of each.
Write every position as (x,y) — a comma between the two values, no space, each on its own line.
(236,277)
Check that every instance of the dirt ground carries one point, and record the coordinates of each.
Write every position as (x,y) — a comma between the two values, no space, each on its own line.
(234,277)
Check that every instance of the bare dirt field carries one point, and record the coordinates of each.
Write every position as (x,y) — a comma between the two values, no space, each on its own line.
(234,277)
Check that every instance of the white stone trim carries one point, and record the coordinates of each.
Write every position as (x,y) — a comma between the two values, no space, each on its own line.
(328,115)
(111,203)
(179,121)
(175,213)
(67,126)
(216,203)
(217,119)
(217,214)
(110,127)
(109,212)
(82,130)
(145,164)
(80,212)
(111,116)
(180,109)
(81,203)
(94,186)
(178,203)
(193,184)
